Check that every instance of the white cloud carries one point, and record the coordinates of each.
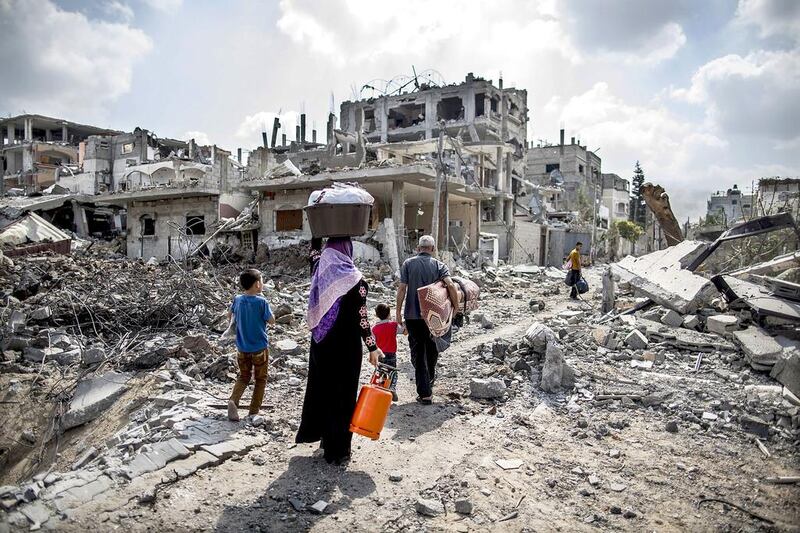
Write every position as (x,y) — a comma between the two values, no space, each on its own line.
(754,95)
(76,65)
(199,137)
(251,127)
(118,10)
(771,17)
(672,151)
(165,6)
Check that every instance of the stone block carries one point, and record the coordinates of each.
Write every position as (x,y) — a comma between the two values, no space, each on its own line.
(428,507)
(557,375)
(722,324)
(286,347)
(92,397)
(488,388)
(601,335)
(754,425)
(68,357)
(671,318)
(758,346)
(636,340)
(37,355)
(691,322)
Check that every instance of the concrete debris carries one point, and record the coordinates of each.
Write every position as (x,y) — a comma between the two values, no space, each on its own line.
(691,322)
(636,340)
(92,397)
(761,350)
(787,372)
(661,276)
(428,507)
(671,318)
(557,375)
(489,389)
(722,324)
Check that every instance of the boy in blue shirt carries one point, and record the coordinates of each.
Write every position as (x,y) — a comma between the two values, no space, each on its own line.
(252,314)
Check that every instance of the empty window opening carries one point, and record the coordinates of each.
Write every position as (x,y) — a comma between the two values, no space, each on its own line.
(450,109)
(148,226)
(247,240)
(580,169)
(195,225)
(127,148)
(549,167)
(369,120)
(479,110)
(495,103)
(289,220)
(406,115)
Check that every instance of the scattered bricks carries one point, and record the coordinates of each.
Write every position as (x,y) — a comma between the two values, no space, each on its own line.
(428,507)
(671,318)
(754,425)
(691,322)
(93,356)
(722,324)
(84,458)
(489,388)
(197,461)
(636,340)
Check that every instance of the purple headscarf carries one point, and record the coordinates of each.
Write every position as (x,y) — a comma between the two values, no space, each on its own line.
(334,277)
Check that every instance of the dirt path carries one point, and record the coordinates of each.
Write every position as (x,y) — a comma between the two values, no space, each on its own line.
(579,469)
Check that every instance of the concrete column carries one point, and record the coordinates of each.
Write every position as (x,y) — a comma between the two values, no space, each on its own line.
(79,217)
(430,116)
(10,133)
(476,225)
(509,177)
(468,99)
(398,205)
(499,208)
(500,168)
(48,135)
(28,129)
(64,133)
(509,212)
(383,107)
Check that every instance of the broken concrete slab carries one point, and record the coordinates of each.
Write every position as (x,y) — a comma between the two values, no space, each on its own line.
(742,294)
(683,339)
(691,322)
(141,464)
(227,449)
(722,324)
(37,513)
(557,375)
(92,397)
(787,372)
(163,452)
(80,495)
(671,318)
(197,461)
(758,346)
(661,276)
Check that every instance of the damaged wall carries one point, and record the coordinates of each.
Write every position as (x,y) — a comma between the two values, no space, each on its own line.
(165,222)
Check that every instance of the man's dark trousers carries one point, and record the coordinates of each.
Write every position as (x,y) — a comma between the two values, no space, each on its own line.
(424,356)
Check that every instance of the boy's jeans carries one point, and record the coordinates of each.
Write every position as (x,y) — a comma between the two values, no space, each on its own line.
(390,359)
(251,364)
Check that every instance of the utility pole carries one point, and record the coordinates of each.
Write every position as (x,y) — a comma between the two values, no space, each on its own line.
(592,251)
(437,195)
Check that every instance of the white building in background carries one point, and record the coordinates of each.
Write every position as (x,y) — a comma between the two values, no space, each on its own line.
(616,196)
(730,206)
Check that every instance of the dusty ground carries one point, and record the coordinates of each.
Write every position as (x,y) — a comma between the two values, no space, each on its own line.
(601,466)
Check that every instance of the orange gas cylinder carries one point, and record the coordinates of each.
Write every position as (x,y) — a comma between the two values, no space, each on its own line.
(373,404)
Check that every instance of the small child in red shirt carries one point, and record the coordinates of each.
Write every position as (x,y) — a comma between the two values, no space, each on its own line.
(386,332)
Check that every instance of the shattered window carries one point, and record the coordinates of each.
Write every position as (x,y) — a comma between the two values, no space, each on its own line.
(148,226)
(195,225)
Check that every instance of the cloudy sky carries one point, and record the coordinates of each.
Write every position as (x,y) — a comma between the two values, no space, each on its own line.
(705,94)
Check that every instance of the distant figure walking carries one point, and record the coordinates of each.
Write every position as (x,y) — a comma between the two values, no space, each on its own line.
(416,272)
(337,317)
(574,274)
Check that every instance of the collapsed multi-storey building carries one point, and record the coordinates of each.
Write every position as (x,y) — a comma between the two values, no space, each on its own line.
(471,136)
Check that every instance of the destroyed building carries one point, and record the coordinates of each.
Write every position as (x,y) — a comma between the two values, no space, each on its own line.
(37,150)
(728,207)
(778,195)
(471,135)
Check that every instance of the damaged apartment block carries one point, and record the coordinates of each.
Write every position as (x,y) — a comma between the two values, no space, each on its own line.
(469,137)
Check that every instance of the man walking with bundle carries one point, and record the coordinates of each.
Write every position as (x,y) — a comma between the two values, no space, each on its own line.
(416,272)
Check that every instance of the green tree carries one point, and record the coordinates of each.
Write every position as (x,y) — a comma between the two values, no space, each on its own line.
(638,212)
(629,230)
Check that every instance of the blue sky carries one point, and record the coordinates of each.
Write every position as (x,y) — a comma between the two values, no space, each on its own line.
(704,94)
